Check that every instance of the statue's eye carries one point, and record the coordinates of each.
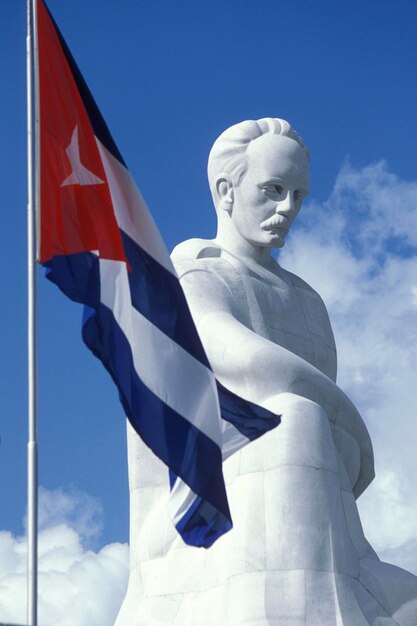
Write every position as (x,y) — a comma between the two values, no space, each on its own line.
(272,189)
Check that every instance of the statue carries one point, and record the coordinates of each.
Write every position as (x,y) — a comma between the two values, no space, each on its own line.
(297,553)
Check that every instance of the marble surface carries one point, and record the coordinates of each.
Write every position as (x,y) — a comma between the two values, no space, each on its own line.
(297,554)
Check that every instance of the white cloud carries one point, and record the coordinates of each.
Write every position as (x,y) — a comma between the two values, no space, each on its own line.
(359,250)
(80,511)
(77,586)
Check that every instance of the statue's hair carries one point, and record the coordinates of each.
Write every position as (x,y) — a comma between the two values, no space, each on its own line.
(228,154)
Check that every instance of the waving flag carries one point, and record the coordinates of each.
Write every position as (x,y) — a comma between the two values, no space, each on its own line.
(101,247)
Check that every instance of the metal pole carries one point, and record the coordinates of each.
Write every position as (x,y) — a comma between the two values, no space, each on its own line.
(32,504)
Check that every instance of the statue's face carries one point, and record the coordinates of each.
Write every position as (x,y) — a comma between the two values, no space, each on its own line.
(270,195)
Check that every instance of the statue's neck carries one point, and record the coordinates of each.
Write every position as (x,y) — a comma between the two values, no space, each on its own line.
(254,257)
(246,251)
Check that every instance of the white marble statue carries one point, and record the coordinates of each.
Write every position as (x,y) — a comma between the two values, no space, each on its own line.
(297,554)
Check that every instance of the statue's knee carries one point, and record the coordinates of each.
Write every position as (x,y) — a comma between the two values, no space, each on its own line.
(304,436)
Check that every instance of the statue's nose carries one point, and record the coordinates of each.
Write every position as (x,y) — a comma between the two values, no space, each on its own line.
(287,204)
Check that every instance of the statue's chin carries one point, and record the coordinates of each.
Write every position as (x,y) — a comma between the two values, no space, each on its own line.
(278,242)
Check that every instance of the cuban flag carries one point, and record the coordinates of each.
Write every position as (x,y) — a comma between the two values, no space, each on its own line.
(101,247)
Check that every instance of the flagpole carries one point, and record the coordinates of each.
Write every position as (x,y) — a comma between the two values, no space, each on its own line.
(32,452)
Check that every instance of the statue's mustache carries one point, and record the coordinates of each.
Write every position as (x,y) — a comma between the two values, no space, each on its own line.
(275,221)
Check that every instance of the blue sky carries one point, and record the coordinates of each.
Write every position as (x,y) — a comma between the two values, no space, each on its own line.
(168,78)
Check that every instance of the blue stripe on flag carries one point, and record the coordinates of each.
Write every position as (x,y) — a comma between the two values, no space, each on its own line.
(250,419)
(158,295)
(76,275)
(201,522)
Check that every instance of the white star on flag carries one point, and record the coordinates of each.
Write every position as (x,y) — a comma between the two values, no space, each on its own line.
(80,175)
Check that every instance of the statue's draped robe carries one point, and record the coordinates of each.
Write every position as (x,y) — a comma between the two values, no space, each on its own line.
(297,554)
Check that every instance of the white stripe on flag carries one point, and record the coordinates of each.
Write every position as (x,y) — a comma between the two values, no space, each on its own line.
(132,214)
(232,440)
(169,371)
(180,500)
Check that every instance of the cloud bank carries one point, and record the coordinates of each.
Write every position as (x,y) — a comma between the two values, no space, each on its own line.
(359,251)
(77,585)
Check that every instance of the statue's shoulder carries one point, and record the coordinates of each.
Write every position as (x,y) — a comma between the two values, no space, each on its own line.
(202,267)
(210,281)
(200,255)
(194,249)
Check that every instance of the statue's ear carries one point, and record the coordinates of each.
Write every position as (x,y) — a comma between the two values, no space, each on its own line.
(225,193)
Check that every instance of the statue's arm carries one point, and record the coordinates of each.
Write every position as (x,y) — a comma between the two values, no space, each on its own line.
(260,370)
(244,361)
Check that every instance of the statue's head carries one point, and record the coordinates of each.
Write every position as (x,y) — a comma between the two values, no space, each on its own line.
(258,174)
